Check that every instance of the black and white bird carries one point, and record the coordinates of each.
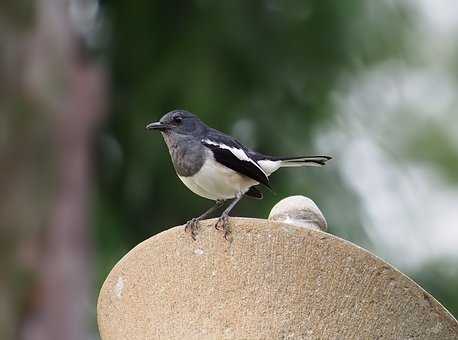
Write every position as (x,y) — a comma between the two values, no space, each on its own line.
(217,166)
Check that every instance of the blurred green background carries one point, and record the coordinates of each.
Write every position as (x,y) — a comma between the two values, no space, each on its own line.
(372,83)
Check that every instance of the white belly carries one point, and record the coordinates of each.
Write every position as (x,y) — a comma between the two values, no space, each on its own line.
(217,182)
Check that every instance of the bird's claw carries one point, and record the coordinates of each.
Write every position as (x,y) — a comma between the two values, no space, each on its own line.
(223,225)
(222,222)
(192,226)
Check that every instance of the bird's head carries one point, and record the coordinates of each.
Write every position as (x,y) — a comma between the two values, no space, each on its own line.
(178,121)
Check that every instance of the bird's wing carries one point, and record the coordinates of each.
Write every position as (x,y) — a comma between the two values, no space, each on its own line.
(234,155)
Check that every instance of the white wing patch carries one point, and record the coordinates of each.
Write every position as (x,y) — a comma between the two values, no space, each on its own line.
(269,166)
(239,153)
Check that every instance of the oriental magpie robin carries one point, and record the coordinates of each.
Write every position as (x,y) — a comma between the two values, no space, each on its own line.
(217,166)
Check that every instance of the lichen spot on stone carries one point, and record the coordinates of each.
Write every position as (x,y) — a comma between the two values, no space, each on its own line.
(228,331)
(198,251)
(437,328)
(118,288)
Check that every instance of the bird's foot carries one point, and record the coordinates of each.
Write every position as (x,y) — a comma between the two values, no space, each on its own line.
(223,225)
(192,226)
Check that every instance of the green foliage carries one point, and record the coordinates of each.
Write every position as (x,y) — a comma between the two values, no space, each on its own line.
(264,71)
(269,64)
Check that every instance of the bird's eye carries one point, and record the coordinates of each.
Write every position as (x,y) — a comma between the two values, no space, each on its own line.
(177,119)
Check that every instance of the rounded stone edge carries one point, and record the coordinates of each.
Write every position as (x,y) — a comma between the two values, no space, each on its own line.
(120,262)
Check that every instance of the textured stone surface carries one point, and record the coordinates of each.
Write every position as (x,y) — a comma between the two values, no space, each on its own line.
(273,281)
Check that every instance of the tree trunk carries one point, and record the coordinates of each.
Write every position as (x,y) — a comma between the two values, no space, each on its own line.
(51,99)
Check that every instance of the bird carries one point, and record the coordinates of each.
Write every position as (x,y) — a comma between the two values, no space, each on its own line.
(217,166)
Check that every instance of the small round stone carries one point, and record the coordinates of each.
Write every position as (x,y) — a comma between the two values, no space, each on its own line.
(300,211)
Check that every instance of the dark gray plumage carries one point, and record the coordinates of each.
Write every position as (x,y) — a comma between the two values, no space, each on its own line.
(187,153)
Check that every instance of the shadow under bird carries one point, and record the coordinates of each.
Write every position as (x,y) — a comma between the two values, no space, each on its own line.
(217,166)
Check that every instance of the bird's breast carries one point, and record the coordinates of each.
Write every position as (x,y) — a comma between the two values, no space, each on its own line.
(216,181)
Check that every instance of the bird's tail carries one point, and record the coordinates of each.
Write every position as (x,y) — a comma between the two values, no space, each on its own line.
(302,161)
(271,164)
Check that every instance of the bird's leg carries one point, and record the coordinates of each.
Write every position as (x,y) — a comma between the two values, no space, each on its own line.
(193,224)
(223,220)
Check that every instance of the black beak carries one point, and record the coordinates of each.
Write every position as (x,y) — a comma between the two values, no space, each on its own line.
(157,126)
